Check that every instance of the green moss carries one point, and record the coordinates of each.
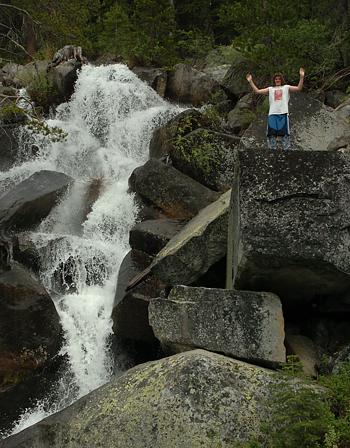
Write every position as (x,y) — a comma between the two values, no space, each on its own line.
(10,113)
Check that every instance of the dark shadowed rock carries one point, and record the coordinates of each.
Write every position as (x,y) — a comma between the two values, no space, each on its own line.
(29,325)
(29,202)
(130,312)
(188,85)
(291,224)
(306,351)
(63,77)
(234,82)
(8,145)
(152,235)
(199,245)
(334,98)
(193,399)
(242,115)
(163,138)
(154,77)
(241,324)
(176,194)
(313,125)
(208,157)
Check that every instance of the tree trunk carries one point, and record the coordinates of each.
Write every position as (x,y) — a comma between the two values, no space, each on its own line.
(30,37)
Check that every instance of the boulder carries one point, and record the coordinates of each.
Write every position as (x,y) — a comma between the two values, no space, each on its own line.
(63,78)
(334,98)
(344,109)
(17,398)
(130,312)
(342,142)
(29,326)
(234,82)
(190,86)
(306,351)
(152,235)
(193,399)
(163,138)
(29,202)
(341,357)
(26,252)
(207,156)
(176,194)
(199,245)
(313,125)
(154,77)
(290,225)
(239,119)
(8,74)
(241,324)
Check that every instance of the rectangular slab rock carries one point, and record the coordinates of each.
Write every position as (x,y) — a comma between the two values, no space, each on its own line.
(290,226)
(200,244)
(242,324)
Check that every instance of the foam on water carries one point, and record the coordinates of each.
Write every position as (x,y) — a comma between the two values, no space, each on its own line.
(109,123)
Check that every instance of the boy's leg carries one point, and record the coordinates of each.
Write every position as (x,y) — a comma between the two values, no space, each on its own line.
(286,142)
(271,142)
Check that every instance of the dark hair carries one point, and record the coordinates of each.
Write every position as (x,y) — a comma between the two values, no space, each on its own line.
(278,75)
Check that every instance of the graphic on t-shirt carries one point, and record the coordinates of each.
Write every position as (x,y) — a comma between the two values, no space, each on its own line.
(278,95)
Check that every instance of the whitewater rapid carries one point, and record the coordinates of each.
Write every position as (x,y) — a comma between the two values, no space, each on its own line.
(109,123)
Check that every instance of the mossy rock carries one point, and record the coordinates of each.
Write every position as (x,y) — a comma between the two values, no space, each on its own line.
(206,156)
(10,113)
(194,399)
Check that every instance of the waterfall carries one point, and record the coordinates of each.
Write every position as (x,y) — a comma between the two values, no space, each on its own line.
(109,122)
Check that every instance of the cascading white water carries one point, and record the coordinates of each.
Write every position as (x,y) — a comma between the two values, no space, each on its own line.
(109,122)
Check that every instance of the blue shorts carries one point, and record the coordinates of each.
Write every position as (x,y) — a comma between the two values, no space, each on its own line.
(278,125)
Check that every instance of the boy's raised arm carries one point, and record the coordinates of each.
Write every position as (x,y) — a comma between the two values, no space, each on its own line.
(254,87)
(301,81)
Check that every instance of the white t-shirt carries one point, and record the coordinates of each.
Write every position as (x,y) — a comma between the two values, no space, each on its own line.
(278,99)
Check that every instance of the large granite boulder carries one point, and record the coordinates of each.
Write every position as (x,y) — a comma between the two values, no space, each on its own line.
(193,399)
(162,141)
(63,78)
(313,125)
(198,246)
(188,85)
(242,324)
(290,225)
(234,82)
(154,77)
(239,118)
(29,326)
(152,235)
(176,194)
(208,157)
(29,202)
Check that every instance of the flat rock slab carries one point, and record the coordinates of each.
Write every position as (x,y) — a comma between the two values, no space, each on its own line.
(242,324)
(313,125)
(290,224)
(200,244)
(193,399)
(176,194)
(152,235)
(29,202)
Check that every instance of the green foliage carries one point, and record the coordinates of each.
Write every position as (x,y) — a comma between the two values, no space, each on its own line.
(10,113)
(309,415)
(54,134)
(293,366)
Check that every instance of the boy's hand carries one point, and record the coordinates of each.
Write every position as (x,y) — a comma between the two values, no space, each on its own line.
(302,72)
(249,77)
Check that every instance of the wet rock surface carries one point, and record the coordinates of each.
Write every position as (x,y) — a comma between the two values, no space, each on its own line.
(193,399)
(29,325)
(176,194)
(241,324)
(29,202)
(290,225)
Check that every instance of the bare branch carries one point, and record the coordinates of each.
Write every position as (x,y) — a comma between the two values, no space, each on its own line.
(6,5)
(16,44)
